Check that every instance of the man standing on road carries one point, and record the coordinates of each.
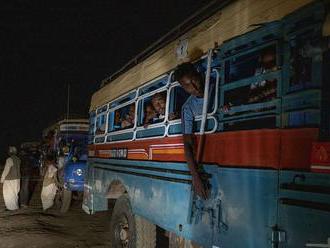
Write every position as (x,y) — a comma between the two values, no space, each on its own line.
(49,186)
(192,82)
(26,172)
(11,179)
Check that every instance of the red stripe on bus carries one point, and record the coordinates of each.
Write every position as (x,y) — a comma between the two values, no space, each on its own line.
(265,148)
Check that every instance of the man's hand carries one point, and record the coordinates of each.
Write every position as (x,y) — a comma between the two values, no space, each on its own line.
(199,186)
(197,182)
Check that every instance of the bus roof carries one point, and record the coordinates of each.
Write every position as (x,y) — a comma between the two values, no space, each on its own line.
(68,125)
(233,19)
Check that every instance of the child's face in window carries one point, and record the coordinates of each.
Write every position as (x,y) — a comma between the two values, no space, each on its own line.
(268,59)
(159,104)
(131,114)
(132,110)
(150,111)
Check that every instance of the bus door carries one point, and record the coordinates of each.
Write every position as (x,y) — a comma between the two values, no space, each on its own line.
(304,197)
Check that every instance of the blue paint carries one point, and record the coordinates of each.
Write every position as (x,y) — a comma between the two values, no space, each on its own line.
(246,207)
(74,176)
(75,165)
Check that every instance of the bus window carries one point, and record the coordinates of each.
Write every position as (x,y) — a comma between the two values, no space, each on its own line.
(300,65)
(256,92)
(122,118)
(178,97)
(153,109)
(100,124)
(251,64)
(129,97)
(91,127)
(157,84)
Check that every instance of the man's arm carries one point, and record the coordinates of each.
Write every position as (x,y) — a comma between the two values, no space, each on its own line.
(8,165)
(188,141)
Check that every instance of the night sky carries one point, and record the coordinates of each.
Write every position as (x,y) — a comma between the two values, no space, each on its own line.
(46,46)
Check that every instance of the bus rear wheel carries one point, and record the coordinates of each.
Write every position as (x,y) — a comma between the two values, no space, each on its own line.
(128,230)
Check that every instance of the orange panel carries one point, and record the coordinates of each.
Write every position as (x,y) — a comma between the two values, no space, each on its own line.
(263,148)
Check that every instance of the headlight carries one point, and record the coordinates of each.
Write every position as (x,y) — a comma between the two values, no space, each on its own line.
(79,172)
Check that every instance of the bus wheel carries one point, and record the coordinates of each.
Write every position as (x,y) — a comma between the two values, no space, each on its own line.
(129,230)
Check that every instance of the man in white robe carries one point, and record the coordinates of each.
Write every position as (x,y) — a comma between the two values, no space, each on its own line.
(49,186)
(11,180)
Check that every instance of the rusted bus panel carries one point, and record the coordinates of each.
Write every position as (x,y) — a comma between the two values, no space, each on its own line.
(233,20)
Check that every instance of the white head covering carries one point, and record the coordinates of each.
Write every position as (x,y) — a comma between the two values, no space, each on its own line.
(12,150)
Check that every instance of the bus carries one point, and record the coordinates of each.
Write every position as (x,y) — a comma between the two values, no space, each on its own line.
(68,138)
(266,149)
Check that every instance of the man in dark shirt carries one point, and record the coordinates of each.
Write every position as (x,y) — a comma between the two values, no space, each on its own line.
(26,171)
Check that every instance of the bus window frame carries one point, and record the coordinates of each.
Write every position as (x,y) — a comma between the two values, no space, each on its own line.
(150,94)
(198,118)
(121,98)
(124,130)
(103,112)
(159,124)
(209,115)
(140,88)
(272,74)
(91,133)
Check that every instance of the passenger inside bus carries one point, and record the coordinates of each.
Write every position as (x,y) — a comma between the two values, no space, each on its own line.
(128,118)
(264,90)
(159,103)
(258,91)
(154,109)
(100,124)
(192,82)
(149,114)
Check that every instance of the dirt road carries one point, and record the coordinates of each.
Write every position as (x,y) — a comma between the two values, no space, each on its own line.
(33,228)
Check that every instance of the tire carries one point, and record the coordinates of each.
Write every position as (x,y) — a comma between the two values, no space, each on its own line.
(66,201)
(129,230)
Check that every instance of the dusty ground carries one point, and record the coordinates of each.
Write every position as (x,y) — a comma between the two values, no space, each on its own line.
(33,228)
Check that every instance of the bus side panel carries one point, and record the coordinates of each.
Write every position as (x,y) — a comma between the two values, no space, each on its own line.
(248,207)
(242,202)
(304,208)
(163,198)
(166,204)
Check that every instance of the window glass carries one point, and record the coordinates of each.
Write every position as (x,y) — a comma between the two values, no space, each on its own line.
(256,92)
(91,127)
(123,99)
(154,86)
(102,109)
(300,64)
(179,96)
(122,118)
(100,124)
(251,64)
(152,109)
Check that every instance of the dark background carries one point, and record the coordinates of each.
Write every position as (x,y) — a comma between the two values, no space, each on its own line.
(46,46)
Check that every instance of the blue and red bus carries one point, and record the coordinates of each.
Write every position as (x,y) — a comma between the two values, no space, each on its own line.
(266,150)
(69,140)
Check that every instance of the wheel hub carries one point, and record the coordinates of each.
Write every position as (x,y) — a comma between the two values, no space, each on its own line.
(123,231)
(123,234)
